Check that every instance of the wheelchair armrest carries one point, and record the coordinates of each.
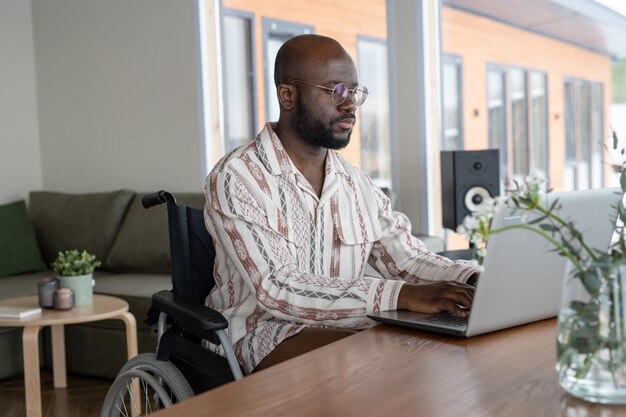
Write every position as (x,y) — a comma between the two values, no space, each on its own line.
(191,316)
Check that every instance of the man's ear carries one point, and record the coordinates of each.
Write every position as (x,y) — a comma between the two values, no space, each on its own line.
(287,96)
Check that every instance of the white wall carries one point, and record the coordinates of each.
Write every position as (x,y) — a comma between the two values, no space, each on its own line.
(119,94)
(20,163)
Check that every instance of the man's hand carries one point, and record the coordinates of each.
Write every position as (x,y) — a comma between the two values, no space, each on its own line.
(436,297)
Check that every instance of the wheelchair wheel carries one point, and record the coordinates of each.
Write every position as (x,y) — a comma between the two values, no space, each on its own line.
(160,385)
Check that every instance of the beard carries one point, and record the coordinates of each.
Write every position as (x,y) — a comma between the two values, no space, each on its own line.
(313,132)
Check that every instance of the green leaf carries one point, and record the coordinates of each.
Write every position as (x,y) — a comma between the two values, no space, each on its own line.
(622,212)
(566,243)
(578,306)
(554,205)
(72,262)
(538,219)
(591,282)
(585,339)
(548,227)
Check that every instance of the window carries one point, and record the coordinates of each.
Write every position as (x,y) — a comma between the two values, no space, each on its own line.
(539,117)
(374,114)
(238,78)
(584,134)
(597,135)
(275,33)
(452,78)
(569,174)
(526,108)
(583,177)
(519,122)
(496,105)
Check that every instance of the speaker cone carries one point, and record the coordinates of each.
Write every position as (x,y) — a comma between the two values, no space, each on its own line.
(475,198)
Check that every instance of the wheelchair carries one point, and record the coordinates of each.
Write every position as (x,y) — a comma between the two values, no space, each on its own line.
(181,367)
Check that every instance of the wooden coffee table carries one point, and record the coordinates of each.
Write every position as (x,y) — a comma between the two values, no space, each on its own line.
(103,307)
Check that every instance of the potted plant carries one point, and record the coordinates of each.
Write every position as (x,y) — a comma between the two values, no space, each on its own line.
(74,270)
(591,332)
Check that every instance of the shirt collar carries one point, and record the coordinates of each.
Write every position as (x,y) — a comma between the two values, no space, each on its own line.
(334,164)
(277,158)
(279,161)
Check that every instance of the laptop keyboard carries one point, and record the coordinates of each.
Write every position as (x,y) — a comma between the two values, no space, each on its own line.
(447,318)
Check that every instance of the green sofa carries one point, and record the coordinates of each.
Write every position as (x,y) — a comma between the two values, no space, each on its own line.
(132,244)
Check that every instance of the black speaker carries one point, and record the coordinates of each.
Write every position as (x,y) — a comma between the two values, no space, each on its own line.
(467,179)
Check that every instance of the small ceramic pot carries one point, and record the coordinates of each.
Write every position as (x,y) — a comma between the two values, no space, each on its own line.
(45,289)
(63,299)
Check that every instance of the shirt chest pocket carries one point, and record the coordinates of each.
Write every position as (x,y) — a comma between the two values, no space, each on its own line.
(352,232)
(355,219)
(281,225)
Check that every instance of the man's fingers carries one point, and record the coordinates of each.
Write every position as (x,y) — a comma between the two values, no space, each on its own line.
(458,299)
(435,297)
(461,311)
(454,308)
(459,285)
(463,297)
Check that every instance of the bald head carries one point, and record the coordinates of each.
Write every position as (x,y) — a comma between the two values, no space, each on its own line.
(308,68)
(297,57)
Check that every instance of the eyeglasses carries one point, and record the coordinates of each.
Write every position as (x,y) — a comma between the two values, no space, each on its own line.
(341,91)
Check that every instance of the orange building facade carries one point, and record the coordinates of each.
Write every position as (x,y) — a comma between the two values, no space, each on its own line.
(476,41)
(341,20)
(480,41)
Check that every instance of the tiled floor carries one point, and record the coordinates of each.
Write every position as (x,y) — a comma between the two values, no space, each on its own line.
(82,398)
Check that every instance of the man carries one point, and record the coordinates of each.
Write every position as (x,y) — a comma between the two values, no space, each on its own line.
(294,224)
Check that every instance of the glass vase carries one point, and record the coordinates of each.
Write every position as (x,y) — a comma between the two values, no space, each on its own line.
(591,333)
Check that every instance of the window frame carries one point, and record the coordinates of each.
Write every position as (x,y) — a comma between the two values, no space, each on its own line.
(531,132)
(577,120)
(529,145)
(601,134)
(253,72)
(274,28)
(457,61)
(378,181)
(504,162)
(525,73)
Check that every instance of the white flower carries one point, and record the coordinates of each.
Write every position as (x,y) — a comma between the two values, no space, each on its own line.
(532,185)
(471,222)
(535,180)
(475,227)
(499,202)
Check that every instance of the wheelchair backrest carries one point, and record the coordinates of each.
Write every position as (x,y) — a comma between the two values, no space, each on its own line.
(192,252)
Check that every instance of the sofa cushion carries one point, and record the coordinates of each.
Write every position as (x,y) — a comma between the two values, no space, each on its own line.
(142,243)
(22,285)
(18,246)
(77,221)
(135,288)
(136,284)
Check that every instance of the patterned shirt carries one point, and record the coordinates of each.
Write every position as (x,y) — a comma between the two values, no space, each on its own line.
(286,259)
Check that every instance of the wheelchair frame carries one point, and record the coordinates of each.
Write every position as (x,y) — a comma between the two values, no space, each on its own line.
(181,367)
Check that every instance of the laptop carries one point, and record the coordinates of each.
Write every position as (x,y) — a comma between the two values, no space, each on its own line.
(523,275)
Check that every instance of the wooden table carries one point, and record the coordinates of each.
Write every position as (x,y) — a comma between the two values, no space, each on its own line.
(388,371)
(103,307)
